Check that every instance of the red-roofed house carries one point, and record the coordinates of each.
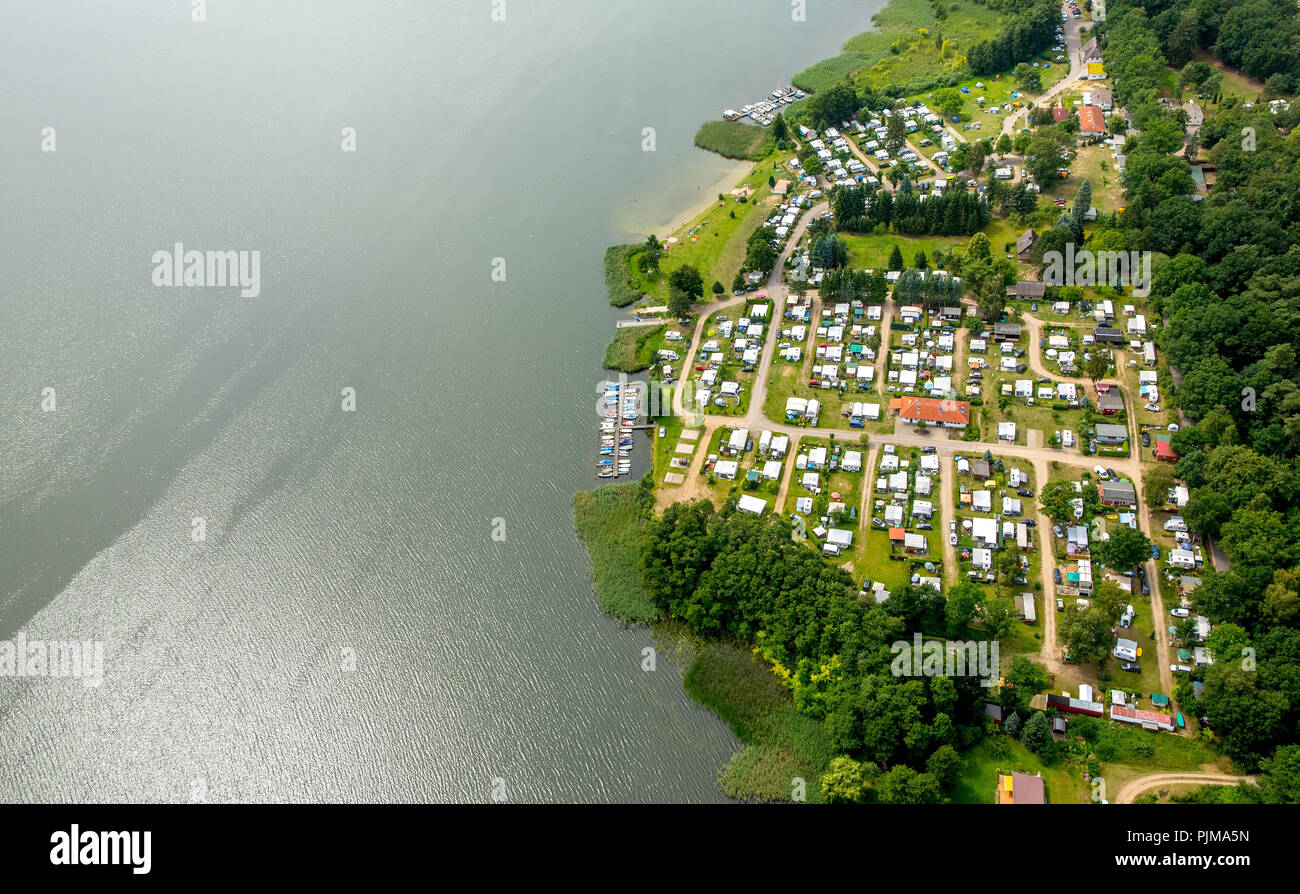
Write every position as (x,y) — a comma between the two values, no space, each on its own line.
(1164,450)
(1059,114)
(1092,121)
(1148,719)
(948,413)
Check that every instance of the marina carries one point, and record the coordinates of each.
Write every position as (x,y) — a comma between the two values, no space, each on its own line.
(621,412)
(764,111)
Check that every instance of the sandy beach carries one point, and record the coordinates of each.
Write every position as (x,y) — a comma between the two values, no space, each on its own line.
(708,196)
(737,171)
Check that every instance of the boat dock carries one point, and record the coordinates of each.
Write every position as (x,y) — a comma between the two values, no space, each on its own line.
(620,417)
(764,111)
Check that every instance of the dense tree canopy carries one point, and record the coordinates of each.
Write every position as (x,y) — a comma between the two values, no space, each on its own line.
(741,577)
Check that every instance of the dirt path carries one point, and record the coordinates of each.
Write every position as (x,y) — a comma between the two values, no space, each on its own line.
(1050,654)
(1035,352)
(1134,787)
(948,505)
(787,473)
(882,353)
(1158,617)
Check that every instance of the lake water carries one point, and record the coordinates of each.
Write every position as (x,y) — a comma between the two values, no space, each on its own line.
(349,628)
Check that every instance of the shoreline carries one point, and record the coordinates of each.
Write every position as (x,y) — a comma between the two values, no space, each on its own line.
(725,184)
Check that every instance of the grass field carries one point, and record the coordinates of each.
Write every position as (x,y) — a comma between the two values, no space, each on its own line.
(609,522)
(734,139)
(780,743)
(714,241)
(664,448)
(1235,83)
(872,251)
(905,46)
(1096,164)
(979,777)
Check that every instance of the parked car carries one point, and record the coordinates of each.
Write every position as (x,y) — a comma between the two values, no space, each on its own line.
(1060,605)
(1056,576)
(1146,587)
(1180,613)
(1131,666)
(1155,551)
(1146,439)
(952,538)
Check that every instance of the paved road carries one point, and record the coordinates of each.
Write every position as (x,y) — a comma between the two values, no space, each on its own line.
(1134,787)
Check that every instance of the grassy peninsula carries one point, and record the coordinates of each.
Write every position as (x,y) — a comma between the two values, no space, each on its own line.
(609,521)
(618,274)
(732,139)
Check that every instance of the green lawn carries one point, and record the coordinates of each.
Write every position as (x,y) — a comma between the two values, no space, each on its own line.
(979,777)
(714,241)
(997,91)
(903,46)
(664,448)
(872,251)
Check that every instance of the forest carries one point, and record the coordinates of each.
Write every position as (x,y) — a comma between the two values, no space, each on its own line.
(864,208)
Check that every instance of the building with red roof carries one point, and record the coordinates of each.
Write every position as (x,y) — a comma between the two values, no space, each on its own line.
(1148,719)
(948,413)
(1092,120)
